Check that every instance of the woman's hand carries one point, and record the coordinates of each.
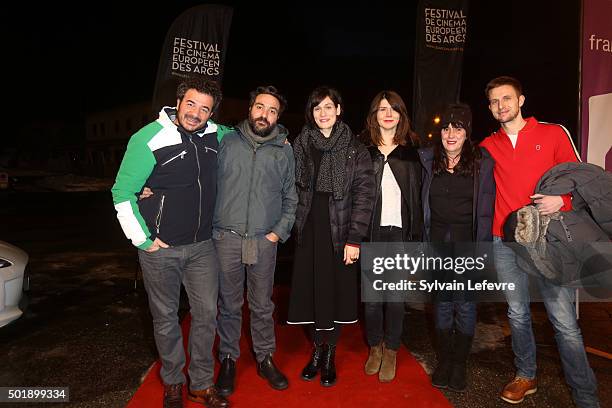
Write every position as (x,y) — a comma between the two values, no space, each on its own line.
(351,254)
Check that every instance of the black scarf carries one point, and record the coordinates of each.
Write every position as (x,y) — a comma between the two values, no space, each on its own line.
(332,172)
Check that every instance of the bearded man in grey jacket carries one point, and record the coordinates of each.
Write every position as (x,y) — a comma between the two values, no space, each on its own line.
(255,208)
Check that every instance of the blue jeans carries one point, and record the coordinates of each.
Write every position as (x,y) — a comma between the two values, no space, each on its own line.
(559,304)
(196,266)
(460,312)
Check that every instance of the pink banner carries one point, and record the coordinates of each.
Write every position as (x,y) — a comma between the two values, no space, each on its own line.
(596,83)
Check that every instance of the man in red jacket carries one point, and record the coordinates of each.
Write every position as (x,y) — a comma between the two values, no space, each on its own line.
(523,150)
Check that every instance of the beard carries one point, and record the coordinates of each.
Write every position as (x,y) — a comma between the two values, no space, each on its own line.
(261,131)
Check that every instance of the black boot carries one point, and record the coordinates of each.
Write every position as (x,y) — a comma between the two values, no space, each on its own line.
(328,369)
(461,350)
(441,375)
(225,379)
(314,365)
(267,370)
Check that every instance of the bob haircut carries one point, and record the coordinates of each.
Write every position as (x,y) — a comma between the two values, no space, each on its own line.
(316,97)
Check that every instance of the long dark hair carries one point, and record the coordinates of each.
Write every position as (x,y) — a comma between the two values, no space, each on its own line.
(403,133)
(467,165)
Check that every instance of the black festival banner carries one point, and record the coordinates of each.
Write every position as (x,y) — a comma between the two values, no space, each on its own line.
(195,44)
(440,39)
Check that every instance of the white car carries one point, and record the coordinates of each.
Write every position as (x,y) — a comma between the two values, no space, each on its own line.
(13,281)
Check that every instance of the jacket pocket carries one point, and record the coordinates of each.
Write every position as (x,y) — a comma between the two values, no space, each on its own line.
(181,156)
(160,213)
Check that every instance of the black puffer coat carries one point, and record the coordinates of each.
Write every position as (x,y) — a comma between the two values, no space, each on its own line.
(350,216)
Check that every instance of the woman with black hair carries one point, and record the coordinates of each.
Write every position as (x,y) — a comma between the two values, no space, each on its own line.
(335,193)
(458,202)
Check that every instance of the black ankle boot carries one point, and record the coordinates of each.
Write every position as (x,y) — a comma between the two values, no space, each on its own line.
(314,365)
(328,368)
(458,374)
(268,371)
(444,346)
(225,379)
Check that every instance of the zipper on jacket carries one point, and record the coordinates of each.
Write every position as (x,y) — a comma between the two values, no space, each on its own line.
(159,213)
(210,148)
(181,155)
(246,229)
(195,236)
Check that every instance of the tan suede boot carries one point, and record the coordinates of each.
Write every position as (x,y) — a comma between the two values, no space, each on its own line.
(372,365)
(387,367)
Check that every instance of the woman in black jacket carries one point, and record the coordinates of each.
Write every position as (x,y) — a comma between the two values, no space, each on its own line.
(335,192)
(458,198)
(397,217)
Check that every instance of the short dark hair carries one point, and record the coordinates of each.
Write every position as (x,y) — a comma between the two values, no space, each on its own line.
(202,85)
(504,80)
(316,97)
(268,90)
(403,133)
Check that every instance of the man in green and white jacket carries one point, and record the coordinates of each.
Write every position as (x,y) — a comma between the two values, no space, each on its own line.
(176,157)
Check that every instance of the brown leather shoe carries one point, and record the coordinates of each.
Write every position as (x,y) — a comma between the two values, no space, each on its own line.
(209,397)
(387,368)
(515,391)
(374,360)
(173,395)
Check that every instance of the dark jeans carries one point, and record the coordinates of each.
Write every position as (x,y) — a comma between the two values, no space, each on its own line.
(458,312)
(260,281)
(196,266)
(384,320)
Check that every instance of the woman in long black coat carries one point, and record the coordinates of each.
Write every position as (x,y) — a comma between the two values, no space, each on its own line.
(335,188)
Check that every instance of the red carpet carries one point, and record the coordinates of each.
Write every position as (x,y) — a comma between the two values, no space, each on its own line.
(411,386)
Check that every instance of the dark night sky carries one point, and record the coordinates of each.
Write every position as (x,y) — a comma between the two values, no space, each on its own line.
(64,63)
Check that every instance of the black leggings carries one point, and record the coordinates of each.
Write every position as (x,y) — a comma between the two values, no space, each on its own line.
(325,336)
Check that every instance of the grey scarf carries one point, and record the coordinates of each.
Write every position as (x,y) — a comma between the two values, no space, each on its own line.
(332,171)
(254,139)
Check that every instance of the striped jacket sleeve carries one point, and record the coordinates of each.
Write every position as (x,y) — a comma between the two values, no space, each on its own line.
(136,167)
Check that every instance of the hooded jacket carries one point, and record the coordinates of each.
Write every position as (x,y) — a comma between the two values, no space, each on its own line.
(256,186)
(180,167)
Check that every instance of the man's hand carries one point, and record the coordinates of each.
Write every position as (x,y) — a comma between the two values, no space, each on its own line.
(351,254)
(272,237)
(157,244)
(146,193)
(546,204)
